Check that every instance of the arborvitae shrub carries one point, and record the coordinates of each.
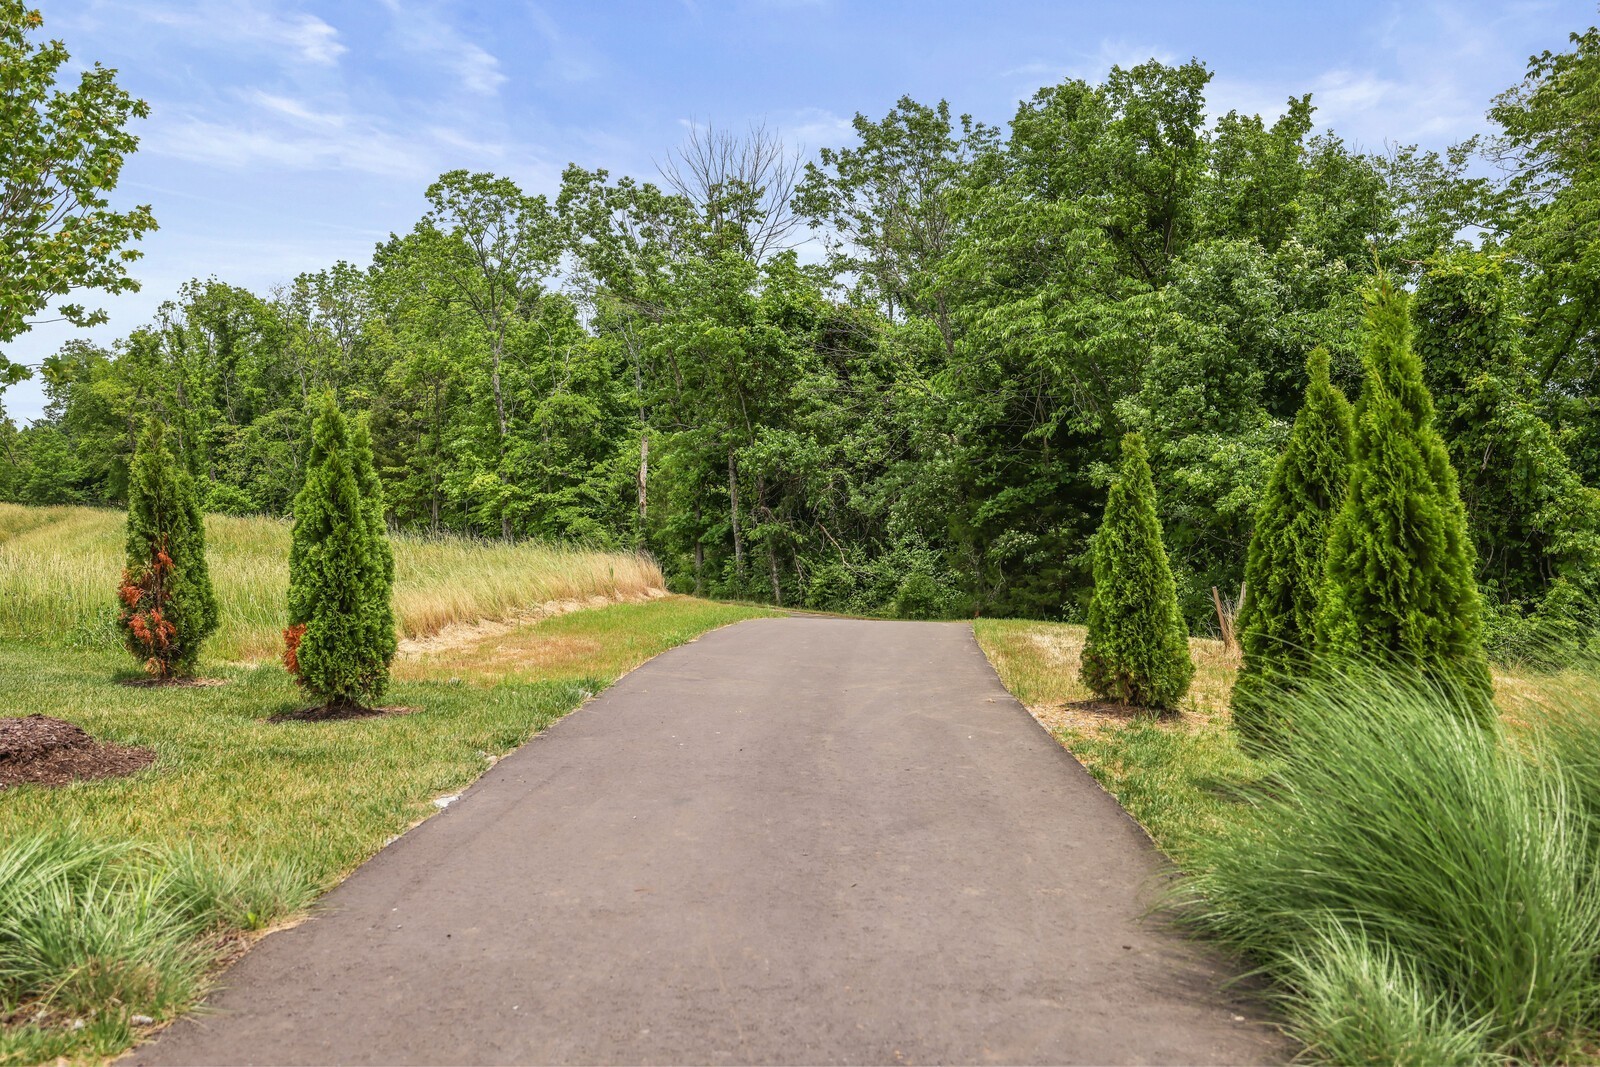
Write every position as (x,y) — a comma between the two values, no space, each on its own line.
(1400,589)
(380,606)
(1285,570)
(168,606)
(340,640)
(1137,651)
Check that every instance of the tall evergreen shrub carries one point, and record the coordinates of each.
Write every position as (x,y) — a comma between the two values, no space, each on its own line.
(1286,567)
(1137,651)
(168,605)
(381,616)
(340,639)
(1400,588)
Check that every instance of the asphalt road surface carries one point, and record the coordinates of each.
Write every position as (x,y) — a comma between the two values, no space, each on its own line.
(797,840)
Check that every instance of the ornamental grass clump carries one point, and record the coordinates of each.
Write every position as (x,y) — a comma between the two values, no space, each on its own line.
(1398,838)
(1137,650)
(94,932)
(341,639)
(1286,567)
(167,604)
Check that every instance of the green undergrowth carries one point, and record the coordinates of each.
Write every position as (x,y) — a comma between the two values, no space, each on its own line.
(118,897)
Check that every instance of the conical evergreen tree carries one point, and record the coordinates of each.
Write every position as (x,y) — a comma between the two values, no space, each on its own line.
(380,605)
(1536,526)
(1137,651)
(168,605)
(340,639)
(1400,589)
(1286,567)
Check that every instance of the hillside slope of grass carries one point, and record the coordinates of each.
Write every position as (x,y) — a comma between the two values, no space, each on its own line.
(58,570)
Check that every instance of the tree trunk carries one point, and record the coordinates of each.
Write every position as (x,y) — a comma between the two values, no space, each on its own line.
(733,514)
(699,554)
(644,479)
(500,419)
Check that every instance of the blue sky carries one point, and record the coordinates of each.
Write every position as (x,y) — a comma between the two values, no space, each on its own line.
(287,134)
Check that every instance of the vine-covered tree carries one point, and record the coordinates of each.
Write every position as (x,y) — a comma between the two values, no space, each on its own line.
(168,606)
(340,639)
(1400,590)
(1286,569)
(1137,650)
(64,152)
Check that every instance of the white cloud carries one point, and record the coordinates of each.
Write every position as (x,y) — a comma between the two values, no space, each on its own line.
(1094,66)
(297,37)
(1427,77)
(423,31)
(295,109)
(811,128)
(338,144)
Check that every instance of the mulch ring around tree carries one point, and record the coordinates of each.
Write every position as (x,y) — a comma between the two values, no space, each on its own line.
(337,712)
(146,681)
(39,750)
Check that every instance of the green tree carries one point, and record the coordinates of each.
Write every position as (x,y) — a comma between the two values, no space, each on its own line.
(340,639)
(168,606)
(64,152)
(495,247)
(1535,525)
(1400,589)
(1137,650)
(1288,552)
(1550,125)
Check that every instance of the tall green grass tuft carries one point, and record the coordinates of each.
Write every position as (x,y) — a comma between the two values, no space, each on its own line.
(96,932)
(1354,1000)
(1402,863)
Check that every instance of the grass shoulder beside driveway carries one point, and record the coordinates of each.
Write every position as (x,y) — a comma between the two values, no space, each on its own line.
(1177,775)
(263,814)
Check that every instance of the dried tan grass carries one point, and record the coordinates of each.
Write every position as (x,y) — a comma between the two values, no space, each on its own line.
(59,566)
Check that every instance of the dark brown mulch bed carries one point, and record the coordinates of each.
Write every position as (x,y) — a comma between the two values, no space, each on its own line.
(1113,710)
(145,681)
(39,750)
(336,712)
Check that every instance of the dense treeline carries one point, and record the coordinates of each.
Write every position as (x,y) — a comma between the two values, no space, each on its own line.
(923,418)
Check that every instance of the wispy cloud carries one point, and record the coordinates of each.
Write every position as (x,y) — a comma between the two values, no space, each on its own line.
(423,30)
(811,128)
(1421,83)
(294,36)
(232,145)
